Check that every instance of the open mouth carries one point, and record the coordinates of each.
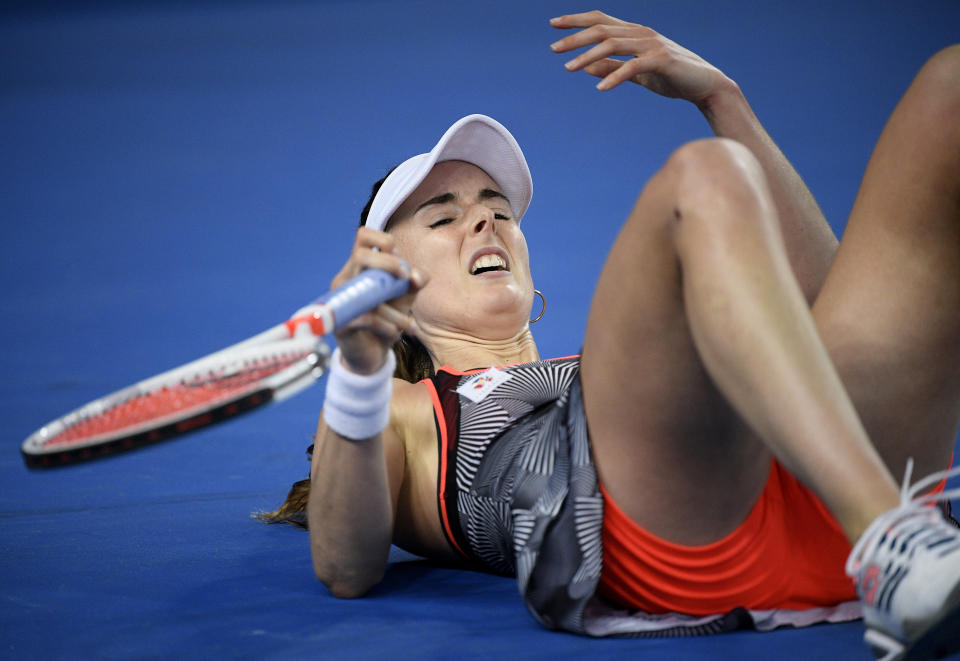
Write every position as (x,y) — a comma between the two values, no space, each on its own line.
(488,263)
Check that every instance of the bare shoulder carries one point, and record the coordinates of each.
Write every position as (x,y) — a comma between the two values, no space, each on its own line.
(411,410)
(407,393)
(417,521)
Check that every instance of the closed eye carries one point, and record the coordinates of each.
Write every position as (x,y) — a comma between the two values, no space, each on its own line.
(442,221)
(500,216)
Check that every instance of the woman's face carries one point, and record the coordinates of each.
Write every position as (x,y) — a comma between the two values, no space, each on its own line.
(458,228)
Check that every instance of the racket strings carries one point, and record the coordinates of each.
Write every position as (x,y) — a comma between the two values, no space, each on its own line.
(202,391)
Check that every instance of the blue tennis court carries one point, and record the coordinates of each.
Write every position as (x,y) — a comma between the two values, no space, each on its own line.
(178,176)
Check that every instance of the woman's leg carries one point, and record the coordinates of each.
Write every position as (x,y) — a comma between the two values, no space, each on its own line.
(889,311)
(699,344)
(696,306)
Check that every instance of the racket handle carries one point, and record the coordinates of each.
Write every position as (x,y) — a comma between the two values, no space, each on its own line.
(358,295)
(361,294)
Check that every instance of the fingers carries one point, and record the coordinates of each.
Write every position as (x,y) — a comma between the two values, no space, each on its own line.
(609,46)
(599,33)
(610,37)
(618,51)
(636,70)
(373,249)
(386,322)
(399,318)
(584,19)
(365,340)
(647,57)
(603,68)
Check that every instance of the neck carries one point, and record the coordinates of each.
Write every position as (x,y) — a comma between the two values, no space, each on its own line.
(464,352)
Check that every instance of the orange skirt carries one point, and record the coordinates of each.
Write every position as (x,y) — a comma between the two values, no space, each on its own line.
(788,553)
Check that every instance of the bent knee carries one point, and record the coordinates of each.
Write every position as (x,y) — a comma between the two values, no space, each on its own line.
(716,171)
(696,153)
(944,66)
(938,85)
(721,190)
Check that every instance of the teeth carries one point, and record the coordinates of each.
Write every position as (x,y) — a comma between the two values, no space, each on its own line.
(487,262)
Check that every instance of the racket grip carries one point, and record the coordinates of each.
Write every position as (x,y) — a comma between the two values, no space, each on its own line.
(342,305)
(361,294)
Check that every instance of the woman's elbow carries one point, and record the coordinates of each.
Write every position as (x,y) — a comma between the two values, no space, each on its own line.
(347,589)
(347,585)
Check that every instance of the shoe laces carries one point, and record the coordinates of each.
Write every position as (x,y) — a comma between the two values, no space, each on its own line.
(899,531)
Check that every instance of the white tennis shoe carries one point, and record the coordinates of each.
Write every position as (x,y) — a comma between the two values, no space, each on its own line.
(906,566)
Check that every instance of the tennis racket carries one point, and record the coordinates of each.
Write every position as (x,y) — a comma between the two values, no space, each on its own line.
(268,367)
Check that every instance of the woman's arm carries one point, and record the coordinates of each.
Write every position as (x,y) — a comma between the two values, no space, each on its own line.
(673,71)
(354,487)
(358,467)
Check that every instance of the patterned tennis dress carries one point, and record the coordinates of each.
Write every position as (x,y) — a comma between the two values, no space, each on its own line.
(518,495)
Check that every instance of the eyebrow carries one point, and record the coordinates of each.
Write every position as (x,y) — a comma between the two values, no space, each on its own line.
(485,194)
(439,199)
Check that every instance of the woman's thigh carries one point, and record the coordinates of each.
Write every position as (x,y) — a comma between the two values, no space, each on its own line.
(889,311)
(669,448)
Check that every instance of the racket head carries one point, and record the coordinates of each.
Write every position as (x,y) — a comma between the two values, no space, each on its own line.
(266,368)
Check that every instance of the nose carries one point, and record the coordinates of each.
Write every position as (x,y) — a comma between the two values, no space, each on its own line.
(483,221)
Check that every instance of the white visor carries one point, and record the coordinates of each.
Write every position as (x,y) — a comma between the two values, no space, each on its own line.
(476,139)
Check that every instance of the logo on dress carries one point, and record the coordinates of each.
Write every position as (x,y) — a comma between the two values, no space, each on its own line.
(478,386)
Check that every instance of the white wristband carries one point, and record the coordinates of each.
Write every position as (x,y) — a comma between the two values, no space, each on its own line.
(357,406)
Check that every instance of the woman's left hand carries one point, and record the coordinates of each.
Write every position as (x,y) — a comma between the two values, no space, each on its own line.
(655,62)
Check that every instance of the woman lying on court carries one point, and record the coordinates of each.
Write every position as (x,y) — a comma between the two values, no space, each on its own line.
(745,393)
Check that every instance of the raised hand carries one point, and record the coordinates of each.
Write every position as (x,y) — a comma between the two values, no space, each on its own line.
(364,342)
(655,62)
(668,69)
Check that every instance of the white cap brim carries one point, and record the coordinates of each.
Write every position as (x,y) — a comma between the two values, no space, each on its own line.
(476,139)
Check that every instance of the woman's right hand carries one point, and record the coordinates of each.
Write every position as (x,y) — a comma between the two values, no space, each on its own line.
(654,61)
(364,342)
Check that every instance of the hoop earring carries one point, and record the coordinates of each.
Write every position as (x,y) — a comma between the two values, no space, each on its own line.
(543,309)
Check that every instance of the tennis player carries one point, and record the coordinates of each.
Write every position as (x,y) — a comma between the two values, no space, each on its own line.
(722,452)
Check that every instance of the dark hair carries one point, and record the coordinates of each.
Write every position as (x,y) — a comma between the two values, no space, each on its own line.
(413,364)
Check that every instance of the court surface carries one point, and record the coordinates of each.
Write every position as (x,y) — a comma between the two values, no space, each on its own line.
(178,176)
